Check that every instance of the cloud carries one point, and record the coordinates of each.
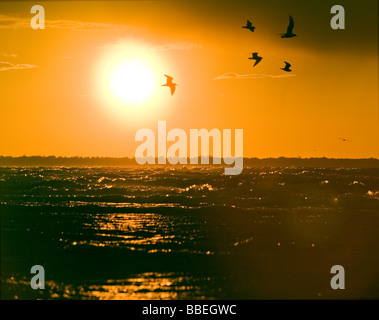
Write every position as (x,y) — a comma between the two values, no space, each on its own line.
(4,66)
(9,22)
(161,47)
(83,26)
(233,75)
(13,22)
(10,55)
(178,46)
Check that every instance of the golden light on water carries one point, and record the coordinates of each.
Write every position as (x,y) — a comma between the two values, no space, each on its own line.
(154,286)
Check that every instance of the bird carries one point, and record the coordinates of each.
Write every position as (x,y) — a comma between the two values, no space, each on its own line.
(287,67)
(249,26)
(170,84)
(344,140)
(256,58)
(289,33)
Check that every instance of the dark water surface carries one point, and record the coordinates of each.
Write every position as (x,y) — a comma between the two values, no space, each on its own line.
(189,233)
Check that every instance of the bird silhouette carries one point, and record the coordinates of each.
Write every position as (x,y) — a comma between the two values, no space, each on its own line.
(289,33)
(287,67)
(344,140)
(249,26)
(170,84)
(256,58)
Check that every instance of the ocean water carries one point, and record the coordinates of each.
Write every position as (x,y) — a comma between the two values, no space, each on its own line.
(189,232)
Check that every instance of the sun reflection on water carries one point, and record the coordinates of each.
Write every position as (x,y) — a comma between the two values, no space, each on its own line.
(144,286)
(153,286)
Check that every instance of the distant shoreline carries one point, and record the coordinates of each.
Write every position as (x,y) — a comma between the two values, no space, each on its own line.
(7,161)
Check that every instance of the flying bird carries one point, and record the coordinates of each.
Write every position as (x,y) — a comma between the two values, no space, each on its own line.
(170,84)
(249,26)
(344,140)
(256,58)
(287,67)
(289,33)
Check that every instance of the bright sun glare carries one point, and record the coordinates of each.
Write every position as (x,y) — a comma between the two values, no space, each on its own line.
(132,82)
(128,79)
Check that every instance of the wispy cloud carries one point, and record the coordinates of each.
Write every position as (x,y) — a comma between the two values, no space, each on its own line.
(4,66)
(10,55)
(125,44)
(83,26)
(233,75)
(10,22)
(178,46)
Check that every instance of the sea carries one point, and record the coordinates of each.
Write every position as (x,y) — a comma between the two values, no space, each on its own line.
(189,232)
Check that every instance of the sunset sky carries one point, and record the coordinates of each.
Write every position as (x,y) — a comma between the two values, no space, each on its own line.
(59,87)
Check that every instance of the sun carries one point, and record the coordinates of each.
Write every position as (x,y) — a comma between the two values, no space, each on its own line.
(132,81)
(128,79)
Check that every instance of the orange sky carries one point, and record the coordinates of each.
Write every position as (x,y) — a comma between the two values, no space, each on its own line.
(51,103)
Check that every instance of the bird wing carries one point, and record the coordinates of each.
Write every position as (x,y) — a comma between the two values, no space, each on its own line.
(248,23)
(290,26)
(257,61)
(172,89)
(169,79)
(255,55)
(287,64)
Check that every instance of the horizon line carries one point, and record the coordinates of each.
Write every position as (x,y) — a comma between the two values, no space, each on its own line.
(203,156)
